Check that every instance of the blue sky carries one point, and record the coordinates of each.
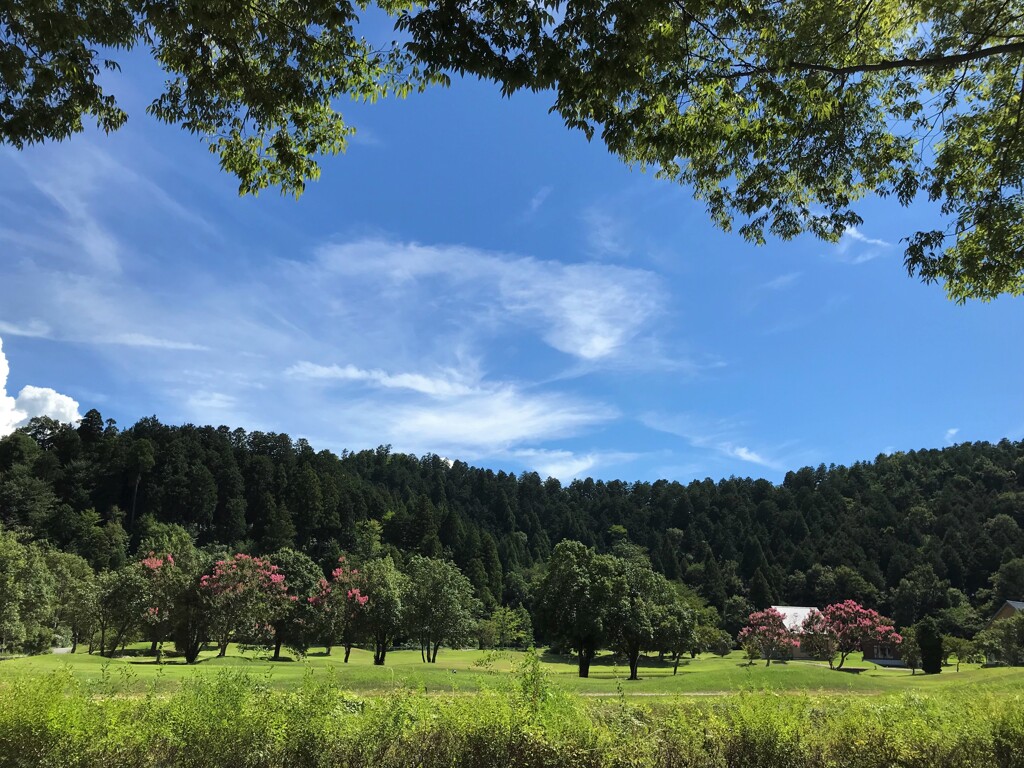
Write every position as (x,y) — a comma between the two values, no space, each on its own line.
(474,280)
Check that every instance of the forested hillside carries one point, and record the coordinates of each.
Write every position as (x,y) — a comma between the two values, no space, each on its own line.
(927,532)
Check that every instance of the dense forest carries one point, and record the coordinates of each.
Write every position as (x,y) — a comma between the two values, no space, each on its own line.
(931,532)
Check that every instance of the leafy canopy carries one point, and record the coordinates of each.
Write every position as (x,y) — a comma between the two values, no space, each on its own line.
(256,79)
(783,115)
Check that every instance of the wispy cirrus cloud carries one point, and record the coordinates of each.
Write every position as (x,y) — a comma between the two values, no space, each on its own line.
(569,465)
(589,311)
(538,200)
(781,282)
(720,436)
(451,383)
(854,247)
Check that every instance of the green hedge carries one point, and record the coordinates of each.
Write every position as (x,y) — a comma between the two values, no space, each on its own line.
(236,721)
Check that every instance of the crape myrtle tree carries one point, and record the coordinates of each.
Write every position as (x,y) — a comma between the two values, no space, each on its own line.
(338,605)
(385,588)
(573,600)
(767,633)
(818,639)
(440,605)
(246,596)
(854,625)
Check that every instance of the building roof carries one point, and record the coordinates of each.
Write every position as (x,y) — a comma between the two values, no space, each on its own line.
(794,614)
(1017,605)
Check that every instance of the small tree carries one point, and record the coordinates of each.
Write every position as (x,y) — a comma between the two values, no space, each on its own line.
(962,648)
(505,628)
(440,605)
(338,604)
(910,651)
(818,639)
(385,587)
(766,631)
(123,605)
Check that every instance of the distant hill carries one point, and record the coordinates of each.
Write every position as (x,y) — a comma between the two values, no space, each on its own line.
(911,533)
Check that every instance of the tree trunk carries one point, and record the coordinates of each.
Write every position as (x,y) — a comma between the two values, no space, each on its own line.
(152,647)
(586,656)
(348,650)
(103,641)
(74,644)
(222,648)
(675,669)
(380,652)
(424,656)
(634,662)
(433,657)
(277,646)
(135,496)
(327,650)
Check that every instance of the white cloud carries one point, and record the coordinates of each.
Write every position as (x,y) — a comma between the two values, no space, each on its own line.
(538,200)
(145,340)
(780,282)
(500,419)
(871,248)
(745,454)
(605,232)
(951,435)
(719,436)
(452,384)
(590,311)
(31,402)
(33,329)
(568,465)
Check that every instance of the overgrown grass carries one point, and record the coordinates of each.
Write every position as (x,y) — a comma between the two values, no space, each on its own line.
(230,718)
(469,671)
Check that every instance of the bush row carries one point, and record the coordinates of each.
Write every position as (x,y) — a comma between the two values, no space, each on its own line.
(235,720)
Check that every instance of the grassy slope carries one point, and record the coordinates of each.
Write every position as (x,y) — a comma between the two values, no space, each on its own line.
(460,671)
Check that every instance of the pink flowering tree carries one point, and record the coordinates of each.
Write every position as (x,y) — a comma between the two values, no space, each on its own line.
(818,639)
(767,633)
(246,596)
(164,582)
(854,625)
(338,604)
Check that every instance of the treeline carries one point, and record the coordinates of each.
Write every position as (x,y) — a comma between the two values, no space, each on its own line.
(195,597)
(934,532)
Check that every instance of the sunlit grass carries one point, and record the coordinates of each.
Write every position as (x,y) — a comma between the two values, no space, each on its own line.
(462,671)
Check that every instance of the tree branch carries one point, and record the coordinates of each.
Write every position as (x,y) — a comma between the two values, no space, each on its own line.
(925,63)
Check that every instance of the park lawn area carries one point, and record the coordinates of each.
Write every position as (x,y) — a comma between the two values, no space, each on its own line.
(463,671)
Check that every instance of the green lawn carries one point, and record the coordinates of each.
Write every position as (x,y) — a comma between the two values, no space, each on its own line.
(465,671)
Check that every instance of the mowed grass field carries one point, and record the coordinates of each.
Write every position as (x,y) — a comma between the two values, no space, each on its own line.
(465,671)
